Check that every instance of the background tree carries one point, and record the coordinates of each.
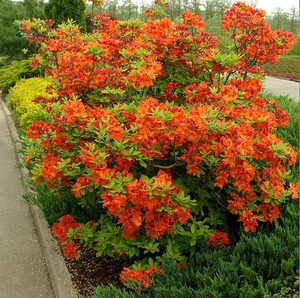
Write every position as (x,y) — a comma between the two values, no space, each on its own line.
(11,14)
(215,7)
(33,8)
(284,20)
(61,11)
(288,21)
(127,10)
(110,6)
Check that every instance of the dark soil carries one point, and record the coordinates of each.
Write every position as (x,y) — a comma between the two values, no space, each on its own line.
(89,271)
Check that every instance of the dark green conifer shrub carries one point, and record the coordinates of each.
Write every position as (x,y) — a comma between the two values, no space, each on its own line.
(61,11)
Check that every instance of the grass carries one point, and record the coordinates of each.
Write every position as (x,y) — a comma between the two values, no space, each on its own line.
(284,56)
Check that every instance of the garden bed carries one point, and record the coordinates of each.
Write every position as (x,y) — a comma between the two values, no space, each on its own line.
(90,271)
(147,156)
(287,68)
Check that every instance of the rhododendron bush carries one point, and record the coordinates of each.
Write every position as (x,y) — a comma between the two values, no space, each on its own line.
(160,133)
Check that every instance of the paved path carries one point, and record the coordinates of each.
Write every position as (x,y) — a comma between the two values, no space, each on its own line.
(31,263)
(23,272)
(282,87)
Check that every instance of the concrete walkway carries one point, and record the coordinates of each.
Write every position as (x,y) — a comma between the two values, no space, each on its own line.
(31,264)
(282,87)
(23,271)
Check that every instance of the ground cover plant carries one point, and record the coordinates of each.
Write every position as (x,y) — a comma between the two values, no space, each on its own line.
(287,67)
(160,134)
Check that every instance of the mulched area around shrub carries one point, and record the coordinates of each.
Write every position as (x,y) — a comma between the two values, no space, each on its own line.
(89,271)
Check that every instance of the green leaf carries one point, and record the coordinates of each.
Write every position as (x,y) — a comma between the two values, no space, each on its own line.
(193,241)
(142,163)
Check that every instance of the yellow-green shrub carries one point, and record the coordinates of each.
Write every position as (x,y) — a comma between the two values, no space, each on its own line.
(21,96)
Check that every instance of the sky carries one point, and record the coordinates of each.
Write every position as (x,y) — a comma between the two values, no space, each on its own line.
(270,5)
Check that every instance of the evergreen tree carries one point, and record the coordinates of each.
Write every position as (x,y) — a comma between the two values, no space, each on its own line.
(11,14)
(61,11)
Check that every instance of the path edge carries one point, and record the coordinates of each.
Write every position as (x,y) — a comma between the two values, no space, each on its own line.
(59,275)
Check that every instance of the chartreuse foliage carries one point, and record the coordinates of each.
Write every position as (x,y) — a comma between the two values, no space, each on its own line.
(160,133)
(21,98)
(11,73)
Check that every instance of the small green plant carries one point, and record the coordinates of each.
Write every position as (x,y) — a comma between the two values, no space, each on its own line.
(54,206)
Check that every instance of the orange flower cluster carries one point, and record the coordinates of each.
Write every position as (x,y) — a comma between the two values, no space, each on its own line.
(295,190)
(119,60)
(218,239)
(153,204)
(249,220)
(254,37)
(193,20)
(70,250)
(141,278)
(180,137)
(60,230)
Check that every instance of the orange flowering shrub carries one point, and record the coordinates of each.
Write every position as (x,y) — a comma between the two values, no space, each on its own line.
(160,132)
